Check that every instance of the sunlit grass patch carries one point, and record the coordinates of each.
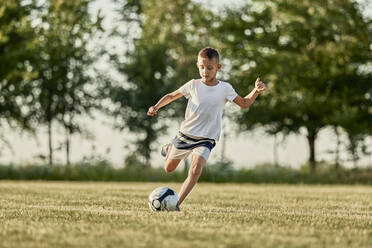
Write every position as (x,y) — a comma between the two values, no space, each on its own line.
(65,214)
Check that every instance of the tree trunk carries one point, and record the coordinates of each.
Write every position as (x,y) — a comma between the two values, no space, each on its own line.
(353,149)
(311,140)
(147,161)
(67,147)
(337,152)
(275,151)
(50,143)
(223,146)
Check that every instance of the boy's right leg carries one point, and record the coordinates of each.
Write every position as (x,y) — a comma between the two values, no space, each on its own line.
(171,164)
(173,157)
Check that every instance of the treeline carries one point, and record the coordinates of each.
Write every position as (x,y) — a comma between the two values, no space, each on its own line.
(44,66)
(216,173)
(314,56)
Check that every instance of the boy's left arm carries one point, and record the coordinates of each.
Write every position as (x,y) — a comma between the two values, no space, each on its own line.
(245,102)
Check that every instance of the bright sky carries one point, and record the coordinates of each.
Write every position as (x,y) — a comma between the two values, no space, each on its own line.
(245,149)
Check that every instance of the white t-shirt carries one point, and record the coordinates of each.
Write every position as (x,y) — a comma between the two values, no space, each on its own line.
(203,116)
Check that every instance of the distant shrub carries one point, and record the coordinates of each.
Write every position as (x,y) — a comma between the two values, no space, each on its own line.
(221,172)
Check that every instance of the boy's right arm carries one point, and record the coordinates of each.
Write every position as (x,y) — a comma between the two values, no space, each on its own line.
(168,98)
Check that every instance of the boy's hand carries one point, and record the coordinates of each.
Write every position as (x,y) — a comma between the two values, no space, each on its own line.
(152,111)
(259,85)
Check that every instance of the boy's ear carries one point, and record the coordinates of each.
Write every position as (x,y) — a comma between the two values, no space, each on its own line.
(219,66)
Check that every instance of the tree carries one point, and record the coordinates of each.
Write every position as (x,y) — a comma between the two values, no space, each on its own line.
(64,87)
(17,48)
(163,58)
(302,50)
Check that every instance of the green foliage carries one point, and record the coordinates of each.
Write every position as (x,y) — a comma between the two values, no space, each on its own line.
(102,170)
(314,55)
(309,53)
(64,88)
(45,62)
(163,59)
(18,46)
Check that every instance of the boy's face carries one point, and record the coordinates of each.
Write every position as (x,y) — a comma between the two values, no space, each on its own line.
(208,68)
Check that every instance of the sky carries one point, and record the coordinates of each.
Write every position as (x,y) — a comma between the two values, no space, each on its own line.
(244,149)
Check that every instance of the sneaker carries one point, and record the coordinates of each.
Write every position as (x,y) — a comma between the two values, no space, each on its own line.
(165,149)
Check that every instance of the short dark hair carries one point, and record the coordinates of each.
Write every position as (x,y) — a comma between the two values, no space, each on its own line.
(210,53)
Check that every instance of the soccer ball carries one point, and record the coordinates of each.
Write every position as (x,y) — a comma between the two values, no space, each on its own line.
(163,199)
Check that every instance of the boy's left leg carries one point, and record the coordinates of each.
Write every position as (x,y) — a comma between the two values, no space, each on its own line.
(195,171)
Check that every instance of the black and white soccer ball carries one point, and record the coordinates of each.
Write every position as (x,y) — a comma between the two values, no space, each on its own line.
(163,199)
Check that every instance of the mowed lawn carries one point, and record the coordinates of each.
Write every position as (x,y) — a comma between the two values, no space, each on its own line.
(74,214)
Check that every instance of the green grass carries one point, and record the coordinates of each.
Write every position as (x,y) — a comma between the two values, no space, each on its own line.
(65,214)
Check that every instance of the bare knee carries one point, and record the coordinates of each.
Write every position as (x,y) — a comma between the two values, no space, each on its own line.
(171,165)
(168,169)
(197,167)
(196,170)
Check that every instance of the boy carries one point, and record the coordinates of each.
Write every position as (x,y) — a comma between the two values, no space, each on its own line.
(202,125)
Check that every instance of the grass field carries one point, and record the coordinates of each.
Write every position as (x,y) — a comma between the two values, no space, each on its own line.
(65,214)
